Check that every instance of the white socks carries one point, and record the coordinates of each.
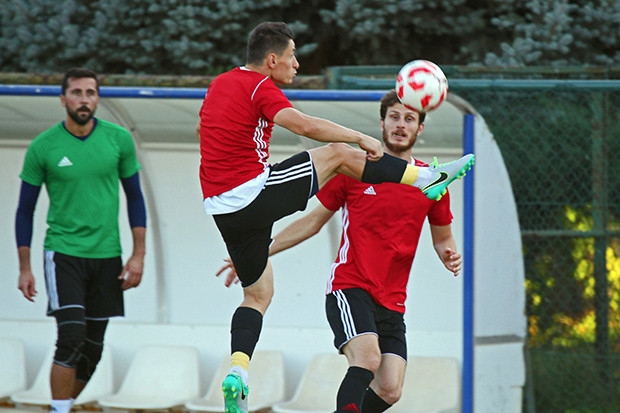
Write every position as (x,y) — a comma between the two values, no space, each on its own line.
(241,372)
(425,177)
(61,406)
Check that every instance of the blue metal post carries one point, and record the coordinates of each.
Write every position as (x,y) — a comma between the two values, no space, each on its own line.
(468,273)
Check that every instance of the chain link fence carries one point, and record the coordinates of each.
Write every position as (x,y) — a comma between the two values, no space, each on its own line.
(559,140)
(559,135)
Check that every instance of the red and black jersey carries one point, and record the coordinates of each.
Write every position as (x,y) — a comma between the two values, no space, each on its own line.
(381,226)
(236,121)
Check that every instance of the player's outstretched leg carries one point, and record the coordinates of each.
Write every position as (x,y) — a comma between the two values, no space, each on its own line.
(235,394)
(444,174)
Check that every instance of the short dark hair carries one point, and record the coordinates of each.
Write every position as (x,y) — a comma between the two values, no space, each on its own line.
(77,73)
(390,99)
(266,38)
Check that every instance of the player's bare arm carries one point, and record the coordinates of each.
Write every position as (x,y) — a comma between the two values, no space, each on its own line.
(26,282)
(445,246)
(301,229)
(323,130)
(133,269)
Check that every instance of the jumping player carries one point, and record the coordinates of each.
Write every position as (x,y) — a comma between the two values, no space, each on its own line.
(245,194)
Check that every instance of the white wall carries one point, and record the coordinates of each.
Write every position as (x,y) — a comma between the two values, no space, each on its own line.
(499,285)
(194,305)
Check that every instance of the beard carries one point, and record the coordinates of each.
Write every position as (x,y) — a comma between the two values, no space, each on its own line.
(398,147)
(81,118)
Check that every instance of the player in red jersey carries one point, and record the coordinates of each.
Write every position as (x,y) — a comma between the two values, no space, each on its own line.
(246,195)
(367,286)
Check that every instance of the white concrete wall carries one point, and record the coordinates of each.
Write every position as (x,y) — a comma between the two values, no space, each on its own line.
(181,300)
(499,286)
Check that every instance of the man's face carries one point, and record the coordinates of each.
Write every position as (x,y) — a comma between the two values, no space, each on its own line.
(400,127)
(81,99)
(285,65)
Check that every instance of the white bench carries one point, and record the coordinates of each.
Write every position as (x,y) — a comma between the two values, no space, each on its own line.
(432,385)
(40,393)
(317,389)
(13,367)
(159,377)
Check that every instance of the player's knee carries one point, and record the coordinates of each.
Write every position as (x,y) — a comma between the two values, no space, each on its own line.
(71,335)
(340,149)
(260,294)
(367,358)
(390,392)
(390,388)
(260,300)
(90,357)
(373,361)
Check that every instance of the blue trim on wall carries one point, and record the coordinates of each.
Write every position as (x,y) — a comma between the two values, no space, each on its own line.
(191,93)
(468,272)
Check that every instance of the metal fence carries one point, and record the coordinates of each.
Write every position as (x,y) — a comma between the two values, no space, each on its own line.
(559,140)
(559,135)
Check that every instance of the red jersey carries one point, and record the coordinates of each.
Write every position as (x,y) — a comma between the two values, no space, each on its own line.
(381,226)
(236,120)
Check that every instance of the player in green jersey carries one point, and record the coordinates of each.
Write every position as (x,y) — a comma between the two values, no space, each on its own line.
(81,161)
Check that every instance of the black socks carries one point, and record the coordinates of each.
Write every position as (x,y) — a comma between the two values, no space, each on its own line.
(352,390)
(245,330)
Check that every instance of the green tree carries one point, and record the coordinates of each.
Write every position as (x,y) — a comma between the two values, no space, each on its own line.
(201,37)
(558,33)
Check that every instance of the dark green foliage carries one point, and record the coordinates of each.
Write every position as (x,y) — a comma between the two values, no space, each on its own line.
(202,37)
(576,373)
(39,35)
(372,32)
(559,33)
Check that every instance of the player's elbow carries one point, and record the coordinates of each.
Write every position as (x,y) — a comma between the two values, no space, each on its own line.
(313,231)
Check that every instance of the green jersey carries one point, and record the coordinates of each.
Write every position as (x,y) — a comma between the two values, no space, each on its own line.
(82,182)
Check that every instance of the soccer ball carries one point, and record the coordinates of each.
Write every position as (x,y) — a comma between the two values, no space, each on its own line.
(421,85)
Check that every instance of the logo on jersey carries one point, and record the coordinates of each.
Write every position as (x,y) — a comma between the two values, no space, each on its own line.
(65,162)
(370,191)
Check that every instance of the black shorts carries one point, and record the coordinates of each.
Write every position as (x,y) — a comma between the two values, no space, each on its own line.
(247,232)
(352,312)
(88,283)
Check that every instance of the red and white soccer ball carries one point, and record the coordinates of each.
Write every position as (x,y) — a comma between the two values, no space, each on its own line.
(421,85)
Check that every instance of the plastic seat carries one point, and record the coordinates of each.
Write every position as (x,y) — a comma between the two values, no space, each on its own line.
(13,371)
(101,384)
(159,377)
(432,385)
(266,384)
(317,389)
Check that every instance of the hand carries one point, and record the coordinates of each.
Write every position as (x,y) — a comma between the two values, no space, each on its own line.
(132,272)
(452,260)
(26,285)
(231,276)
(373,148)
